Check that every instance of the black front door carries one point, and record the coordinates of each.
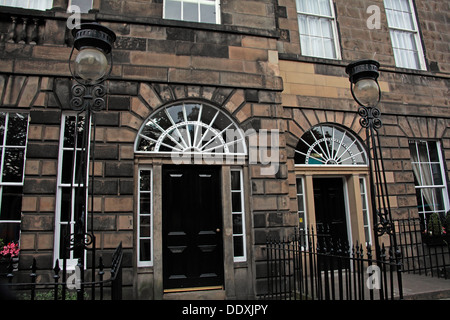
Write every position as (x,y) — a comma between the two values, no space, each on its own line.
(192,224)
(329,202)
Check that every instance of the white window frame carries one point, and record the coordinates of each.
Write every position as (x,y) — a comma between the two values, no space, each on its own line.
(241,213)
(332,19)
(29,4)
(365,209)
(198,2)
(300,179)
(70,261)
(303,231)
(443,186)
(3,146)
(145,263)
(415,32)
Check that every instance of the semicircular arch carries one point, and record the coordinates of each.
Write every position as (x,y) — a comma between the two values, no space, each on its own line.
(190,127)
(330,144)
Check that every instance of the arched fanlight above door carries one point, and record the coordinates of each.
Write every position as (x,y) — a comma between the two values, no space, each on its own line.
(190,128)
(328,144)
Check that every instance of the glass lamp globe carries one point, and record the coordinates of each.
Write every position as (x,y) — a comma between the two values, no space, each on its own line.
(91,64)
(367,92)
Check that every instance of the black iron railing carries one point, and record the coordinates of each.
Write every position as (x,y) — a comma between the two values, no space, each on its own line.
(57,290)
(313,266)
(423,253)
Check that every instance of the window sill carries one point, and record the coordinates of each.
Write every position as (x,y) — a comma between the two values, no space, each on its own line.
(344,63)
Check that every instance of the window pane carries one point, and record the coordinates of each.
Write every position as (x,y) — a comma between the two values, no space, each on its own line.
(192,111)
(69,131)
(208,13)
(2,126)
(433,151)
(145,180)
(145,226)
(28,4)
(85,5)
(145,203)
(144,250)
(172,9)
(316,36)
(190,11)
(17,130)
(64,232)
(67,167)
(9,232)
(300,203)
(427,179)
(235,180)
(79,168)
(404,34)
(299,186)
(13,165)
(11,203)
(237,224)
(238,246)
(437,174)
(236,202)
(66,204)
(318,7)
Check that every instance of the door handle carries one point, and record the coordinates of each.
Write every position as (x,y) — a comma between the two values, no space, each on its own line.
(217,230)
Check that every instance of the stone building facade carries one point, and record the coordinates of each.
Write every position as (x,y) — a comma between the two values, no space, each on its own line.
(253,66)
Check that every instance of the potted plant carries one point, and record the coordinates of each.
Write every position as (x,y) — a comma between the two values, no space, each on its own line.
(10,254)
(436,233)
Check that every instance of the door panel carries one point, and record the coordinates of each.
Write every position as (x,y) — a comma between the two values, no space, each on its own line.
(329,202)
(192,223)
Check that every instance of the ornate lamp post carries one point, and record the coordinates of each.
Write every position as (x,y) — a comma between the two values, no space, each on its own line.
(91,67)
(363,76)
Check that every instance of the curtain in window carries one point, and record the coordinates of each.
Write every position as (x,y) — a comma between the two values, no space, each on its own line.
(318,7)
(28,4)
(423,178)
(316,36)
(315,20)
(405,49)
(403,33)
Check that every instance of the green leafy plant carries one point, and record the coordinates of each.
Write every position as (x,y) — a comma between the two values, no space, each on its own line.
(49,295)
(435,227)
(447,221)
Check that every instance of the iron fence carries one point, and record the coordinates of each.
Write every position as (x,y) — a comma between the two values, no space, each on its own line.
(422,253)
(57,290)
(313,266)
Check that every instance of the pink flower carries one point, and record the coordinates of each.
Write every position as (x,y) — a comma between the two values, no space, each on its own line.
(11,249)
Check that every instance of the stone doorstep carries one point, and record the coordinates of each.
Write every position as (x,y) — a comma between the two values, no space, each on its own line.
(196,295)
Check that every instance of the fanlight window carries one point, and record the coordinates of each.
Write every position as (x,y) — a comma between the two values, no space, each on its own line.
(329,145)
(190,128)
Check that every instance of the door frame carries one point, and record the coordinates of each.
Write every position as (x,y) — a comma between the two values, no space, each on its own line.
(237,275)
(189,169)
(345,202)
(354,206)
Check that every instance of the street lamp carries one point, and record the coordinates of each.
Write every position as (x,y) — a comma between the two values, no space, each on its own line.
(91,67)
(94,44)
(363,76)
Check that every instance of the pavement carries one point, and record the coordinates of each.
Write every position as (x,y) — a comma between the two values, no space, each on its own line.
(420,287)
